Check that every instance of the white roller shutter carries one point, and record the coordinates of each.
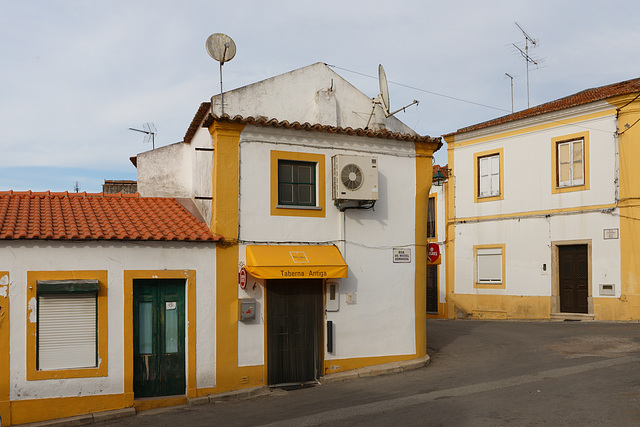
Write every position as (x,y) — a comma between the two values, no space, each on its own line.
(67,331)
(489,263)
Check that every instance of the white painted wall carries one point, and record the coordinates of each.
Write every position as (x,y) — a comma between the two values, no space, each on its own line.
(382,322)
(115,257)
(527,188)
(165,171)
(201,171)
(313,94)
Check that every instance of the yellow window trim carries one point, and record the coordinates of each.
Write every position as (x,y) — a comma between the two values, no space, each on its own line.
(435,217)
(502,285)
(319,159)
(554,163)
(32,295)
(476,176)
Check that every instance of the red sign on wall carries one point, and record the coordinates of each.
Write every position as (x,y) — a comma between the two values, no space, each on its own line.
(242,278)
(433,254)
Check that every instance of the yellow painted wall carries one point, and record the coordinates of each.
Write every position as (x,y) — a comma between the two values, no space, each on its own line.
(5,384)
(628,305)
(224,222)
(475,306)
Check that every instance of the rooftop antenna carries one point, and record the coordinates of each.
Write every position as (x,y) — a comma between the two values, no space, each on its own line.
(76,188)
(150,133)
(221,48)
(511,77)
(525,54)
(383,97)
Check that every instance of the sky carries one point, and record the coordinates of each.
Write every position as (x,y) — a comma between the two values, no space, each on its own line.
(76,75)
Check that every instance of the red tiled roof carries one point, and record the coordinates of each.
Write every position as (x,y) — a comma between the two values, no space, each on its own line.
(580,98)
(97,216)
(383,133)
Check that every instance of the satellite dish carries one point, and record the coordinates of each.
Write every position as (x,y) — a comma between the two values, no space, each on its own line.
(221,47)
(384,89)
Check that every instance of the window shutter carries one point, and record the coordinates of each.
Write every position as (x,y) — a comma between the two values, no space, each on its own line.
(67,329)
(578,164)
(495,175)
(485,182)
(489,263)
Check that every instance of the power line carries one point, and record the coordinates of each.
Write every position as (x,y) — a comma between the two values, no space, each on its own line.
(421,90)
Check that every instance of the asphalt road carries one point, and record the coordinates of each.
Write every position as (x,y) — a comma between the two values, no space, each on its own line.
(482,373)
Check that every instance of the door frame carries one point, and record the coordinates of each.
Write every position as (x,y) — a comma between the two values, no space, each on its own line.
(321,338)
(555,273)
(190,333)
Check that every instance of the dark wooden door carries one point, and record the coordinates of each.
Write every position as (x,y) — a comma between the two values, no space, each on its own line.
(294,330)
(573,273)
(432,289)
(158,337)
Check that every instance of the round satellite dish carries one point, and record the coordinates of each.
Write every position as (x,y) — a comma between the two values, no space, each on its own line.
(384,88)
(221,47)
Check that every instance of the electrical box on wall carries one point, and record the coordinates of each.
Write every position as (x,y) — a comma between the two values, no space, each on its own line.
(332,297)
(247,309)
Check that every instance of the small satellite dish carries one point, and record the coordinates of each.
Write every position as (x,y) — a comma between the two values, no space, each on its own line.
(221,47)
(384,89)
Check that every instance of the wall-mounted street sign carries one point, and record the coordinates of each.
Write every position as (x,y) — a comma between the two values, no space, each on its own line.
(401,255)
(611,233)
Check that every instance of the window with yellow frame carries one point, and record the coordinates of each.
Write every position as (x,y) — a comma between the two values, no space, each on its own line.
(66,324)
(490,266)
(297,184)
(570,163)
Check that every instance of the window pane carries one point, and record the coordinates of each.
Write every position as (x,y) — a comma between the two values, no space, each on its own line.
(285,194)
(431,217)
(285,173)
(577,151)
(171,327)
(145,323)
(495,165)
(495,185)
(565,173)
(577,172)
(305,174)
(305,194)
(564,153)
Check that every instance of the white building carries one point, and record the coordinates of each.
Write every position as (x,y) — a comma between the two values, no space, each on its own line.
(541,211)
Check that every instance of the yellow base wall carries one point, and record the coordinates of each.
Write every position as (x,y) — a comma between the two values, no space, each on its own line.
(29,411)
(627,307)
(499,307)
(471,306)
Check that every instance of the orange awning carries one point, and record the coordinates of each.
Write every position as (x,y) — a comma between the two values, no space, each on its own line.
(295,262)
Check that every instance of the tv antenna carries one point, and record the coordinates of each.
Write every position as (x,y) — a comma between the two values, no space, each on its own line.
(221,48)
(383,97)
(150,132)
(525,54)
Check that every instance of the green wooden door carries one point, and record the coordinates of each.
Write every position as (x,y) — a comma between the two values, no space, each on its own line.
(158,337)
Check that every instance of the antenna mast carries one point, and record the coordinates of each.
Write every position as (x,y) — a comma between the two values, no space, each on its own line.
(150,132)
(511,77)
(221,48)
(525,54)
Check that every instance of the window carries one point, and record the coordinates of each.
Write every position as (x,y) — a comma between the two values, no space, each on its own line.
(570,163)
(489,266)
(67,333)
(67,324)
(489,179)
(431,218)
(489,175)
(296,183)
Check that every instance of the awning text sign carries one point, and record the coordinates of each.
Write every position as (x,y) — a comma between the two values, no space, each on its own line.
(295,262)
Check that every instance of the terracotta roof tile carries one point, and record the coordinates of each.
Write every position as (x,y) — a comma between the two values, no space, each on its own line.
(580,98)
(263,121)
(97,216)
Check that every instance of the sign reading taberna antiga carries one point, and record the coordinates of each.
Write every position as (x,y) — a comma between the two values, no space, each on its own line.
(295,262)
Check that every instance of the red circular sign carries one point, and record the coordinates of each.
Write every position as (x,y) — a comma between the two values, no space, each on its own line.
(242,278)
(434,253)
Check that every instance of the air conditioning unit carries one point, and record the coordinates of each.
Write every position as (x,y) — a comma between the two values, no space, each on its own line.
(355,177)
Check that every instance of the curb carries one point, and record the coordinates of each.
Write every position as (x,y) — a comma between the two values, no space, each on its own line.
(375,370)
(247,393)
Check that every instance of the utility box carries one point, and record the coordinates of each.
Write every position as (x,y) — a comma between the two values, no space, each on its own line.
(247,309)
